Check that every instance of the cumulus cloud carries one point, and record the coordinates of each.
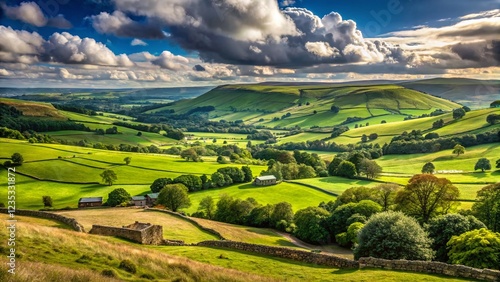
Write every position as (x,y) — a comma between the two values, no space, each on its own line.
(167,60)
(322,49)
(138,42)
(121,25)
(30,12)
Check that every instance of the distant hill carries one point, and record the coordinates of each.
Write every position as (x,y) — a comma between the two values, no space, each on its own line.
(470,92)
(310,105)
(33,109)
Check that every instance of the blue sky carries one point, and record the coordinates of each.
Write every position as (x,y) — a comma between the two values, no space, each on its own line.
(154,43)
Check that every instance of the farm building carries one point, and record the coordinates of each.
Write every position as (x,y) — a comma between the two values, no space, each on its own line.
(265,180)
(139,201)
(151,199)
(90,202)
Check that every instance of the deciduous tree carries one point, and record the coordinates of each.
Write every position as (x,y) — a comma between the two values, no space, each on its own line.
(458,149)
(108,176)
(310,225)
(207,205)
(428,168)
(118,197)
(127,160)
(47,201)
(487,206)
(426,196)
(478,248)
(174,197)
(483,164)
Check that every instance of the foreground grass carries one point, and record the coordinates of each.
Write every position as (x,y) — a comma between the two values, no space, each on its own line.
(61,255)
(173,227)
(51,254)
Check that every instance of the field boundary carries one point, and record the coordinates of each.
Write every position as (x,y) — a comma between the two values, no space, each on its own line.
(73,223)
(313,187)
(194,222)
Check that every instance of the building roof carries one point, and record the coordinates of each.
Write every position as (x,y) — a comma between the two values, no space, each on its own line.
(153,195)
(267,177)
(138,198)
(90,200)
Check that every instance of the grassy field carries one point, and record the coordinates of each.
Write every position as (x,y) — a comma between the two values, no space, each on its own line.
(173,227)
(299,196)
(336,184)
(67,255)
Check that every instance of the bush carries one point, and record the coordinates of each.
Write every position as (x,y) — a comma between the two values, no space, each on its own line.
(443,227)
(478,248)
(118,197)
(148,276)
(108,273)
(128,266)
(393,235)
(310,225)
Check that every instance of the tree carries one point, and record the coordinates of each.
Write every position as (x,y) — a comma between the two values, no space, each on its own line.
(127,160)
(373,136)
(498,163)
(247,171)
(218,179)
(428,168)
(47,201)
(342,217)
(281,211)
(190,154)
(310,225)
(108,176)
(139,133)
(426,196)
(443,227)
(482,164)
(458,113)
(393,235)
(364,138)
(334,164)
(356,159)
(235,173)
(174,197)
(370,168)
(346,169)
(335,109)
(487,206)
(385,195)
(17,159)
(478,248)
(192,182)
(458,149)
(207,205)
(353,195)
(159,183)
(493,119)
(118,197)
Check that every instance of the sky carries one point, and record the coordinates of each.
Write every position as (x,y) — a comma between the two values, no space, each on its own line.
(170,43)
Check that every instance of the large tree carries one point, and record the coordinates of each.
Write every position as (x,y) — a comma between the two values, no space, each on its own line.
(207,205)
(108,176)
(428,168)
(458,149)
(159,183)
(483,164)
(426,196)
(393,235)
(346,169)
(17,159)
(247,171)
(369,168)
(458,113)
(118,197)
(174,197)
(310,225)
(487,206)
(282,211)
(385,195)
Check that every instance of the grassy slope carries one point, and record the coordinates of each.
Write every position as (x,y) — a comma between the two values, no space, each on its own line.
(33,109)
(299,196)
(59,249)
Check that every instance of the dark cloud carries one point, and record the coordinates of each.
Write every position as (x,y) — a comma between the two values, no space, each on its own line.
(198,68)
(30,12)
(484,54)
(59,22)
(119,24)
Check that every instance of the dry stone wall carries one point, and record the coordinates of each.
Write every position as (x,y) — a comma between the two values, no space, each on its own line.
(432,267)
(150,235)
(49,215)
(298,255)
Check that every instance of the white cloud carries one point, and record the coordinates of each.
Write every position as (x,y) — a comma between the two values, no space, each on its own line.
(322,49)
(30,12)
(138,42)
(167,60)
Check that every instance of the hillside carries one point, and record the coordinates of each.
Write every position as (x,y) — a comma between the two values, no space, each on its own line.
(33,109)
(470,92)
(309,105)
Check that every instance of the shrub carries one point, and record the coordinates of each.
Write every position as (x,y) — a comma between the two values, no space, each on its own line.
(148,276)
(128,266)
(309,222)
(393,235)
(108,273)
(478,248)
(118,197)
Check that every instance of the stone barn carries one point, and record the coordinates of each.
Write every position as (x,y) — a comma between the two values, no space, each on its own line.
(143,233)
(265,180)
(90,202)
(151,199)
(139,201)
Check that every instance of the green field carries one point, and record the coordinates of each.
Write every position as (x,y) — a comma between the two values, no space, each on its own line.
(336,184)
(299,196)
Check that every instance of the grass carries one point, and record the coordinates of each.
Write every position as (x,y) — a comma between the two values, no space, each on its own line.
(59,250)
(33,109)
(299,196)
(173,227)
(336,184)
(246,234)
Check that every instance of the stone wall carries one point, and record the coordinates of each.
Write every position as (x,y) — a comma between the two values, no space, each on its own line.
(209,230)
(150,234)
(432,267)
(49,215)
(298,255)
